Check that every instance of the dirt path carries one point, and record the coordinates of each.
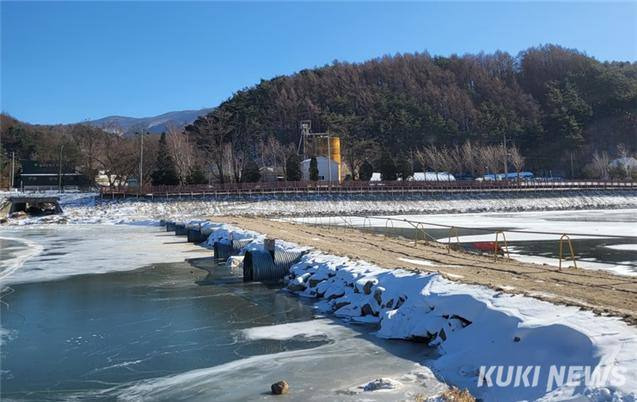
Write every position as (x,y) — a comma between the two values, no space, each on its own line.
(601,292)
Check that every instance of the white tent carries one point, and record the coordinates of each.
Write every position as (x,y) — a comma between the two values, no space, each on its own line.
(433,176)
(626,163)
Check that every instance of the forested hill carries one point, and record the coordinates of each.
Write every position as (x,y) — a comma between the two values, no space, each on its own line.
(550,101)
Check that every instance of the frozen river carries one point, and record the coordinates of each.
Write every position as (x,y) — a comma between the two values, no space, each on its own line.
(114,312)
(602,239)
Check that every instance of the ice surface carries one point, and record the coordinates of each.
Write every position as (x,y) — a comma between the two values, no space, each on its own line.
(585,224)
(63,250)
(332,371)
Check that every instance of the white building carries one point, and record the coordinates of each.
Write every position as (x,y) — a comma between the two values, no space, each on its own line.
(328,169)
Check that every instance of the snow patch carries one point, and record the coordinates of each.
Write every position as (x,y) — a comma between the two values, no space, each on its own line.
(313,328)
(628,247)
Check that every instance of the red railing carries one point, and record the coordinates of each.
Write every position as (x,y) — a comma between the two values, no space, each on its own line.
(358,187)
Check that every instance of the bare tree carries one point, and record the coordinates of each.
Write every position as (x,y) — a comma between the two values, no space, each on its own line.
(470,158)
(622,152)
(517,160)
(600,164)
(358,151)
(434,158)
(181,151)
(274,154)
(118,158)
(456,161)
(490,158)
(211,133)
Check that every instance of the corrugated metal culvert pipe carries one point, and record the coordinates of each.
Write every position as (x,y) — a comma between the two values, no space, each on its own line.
(225,249)
(180,229)
(195,235)
(268,265)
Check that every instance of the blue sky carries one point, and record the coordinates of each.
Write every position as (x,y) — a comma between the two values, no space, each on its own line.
(67,62)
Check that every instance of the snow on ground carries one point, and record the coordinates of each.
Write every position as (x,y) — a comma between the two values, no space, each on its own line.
(281,332)
(84,208)
(499,346)
(475,327)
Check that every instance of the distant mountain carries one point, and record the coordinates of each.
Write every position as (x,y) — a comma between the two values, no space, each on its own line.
(155,124)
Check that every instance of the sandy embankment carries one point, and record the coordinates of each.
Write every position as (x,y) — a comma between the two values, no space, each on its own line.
(599,291)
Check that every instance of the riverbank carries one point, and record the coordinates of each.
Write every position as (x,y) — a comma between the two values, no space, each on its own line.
(88,208)
(572,286)
(480,330)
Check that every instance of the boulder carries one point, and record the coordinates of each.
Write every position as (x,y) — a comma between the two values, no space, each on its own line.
(368,310)
(381,383)
(280,387)
(296,287)
(340,304)
(335,295)
(378,296)
(314,282)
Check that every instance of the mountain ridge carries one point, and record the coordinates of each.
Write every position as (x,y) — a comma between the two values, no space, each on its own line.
(126,125)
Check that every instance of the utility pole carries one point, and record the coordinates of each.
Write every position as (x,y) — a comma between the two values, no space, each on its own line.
(329,160)
(141,164)
(12,170)
(60,188)
(506,155)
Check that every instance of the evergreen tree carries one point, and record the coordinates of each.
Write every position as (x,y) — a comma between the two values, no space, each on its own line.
(387,167)
(165,172)
(404,168)
(293,168)
(567,113)
(366,171)
(196,176)
(314,172)
(250,173)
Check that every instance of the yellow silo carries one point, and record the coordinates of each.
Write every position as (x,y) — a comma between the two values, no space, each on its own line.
(335,153)
(329,147)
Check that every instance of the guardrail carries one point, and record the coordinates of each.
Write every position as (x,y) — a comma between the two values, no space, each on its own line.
(300,187)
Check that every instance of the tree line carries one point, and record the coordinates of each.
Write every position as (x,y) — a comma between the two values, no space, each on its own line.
(546,109)
(168,159)
(555,106)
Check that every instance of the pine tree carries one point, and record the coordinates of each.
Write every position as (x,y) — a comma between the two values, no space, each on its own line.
(387,167)
(314,172)
(293,168)
(404,168)
(366,171)
(165,172)
(250,173)
(196,176)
